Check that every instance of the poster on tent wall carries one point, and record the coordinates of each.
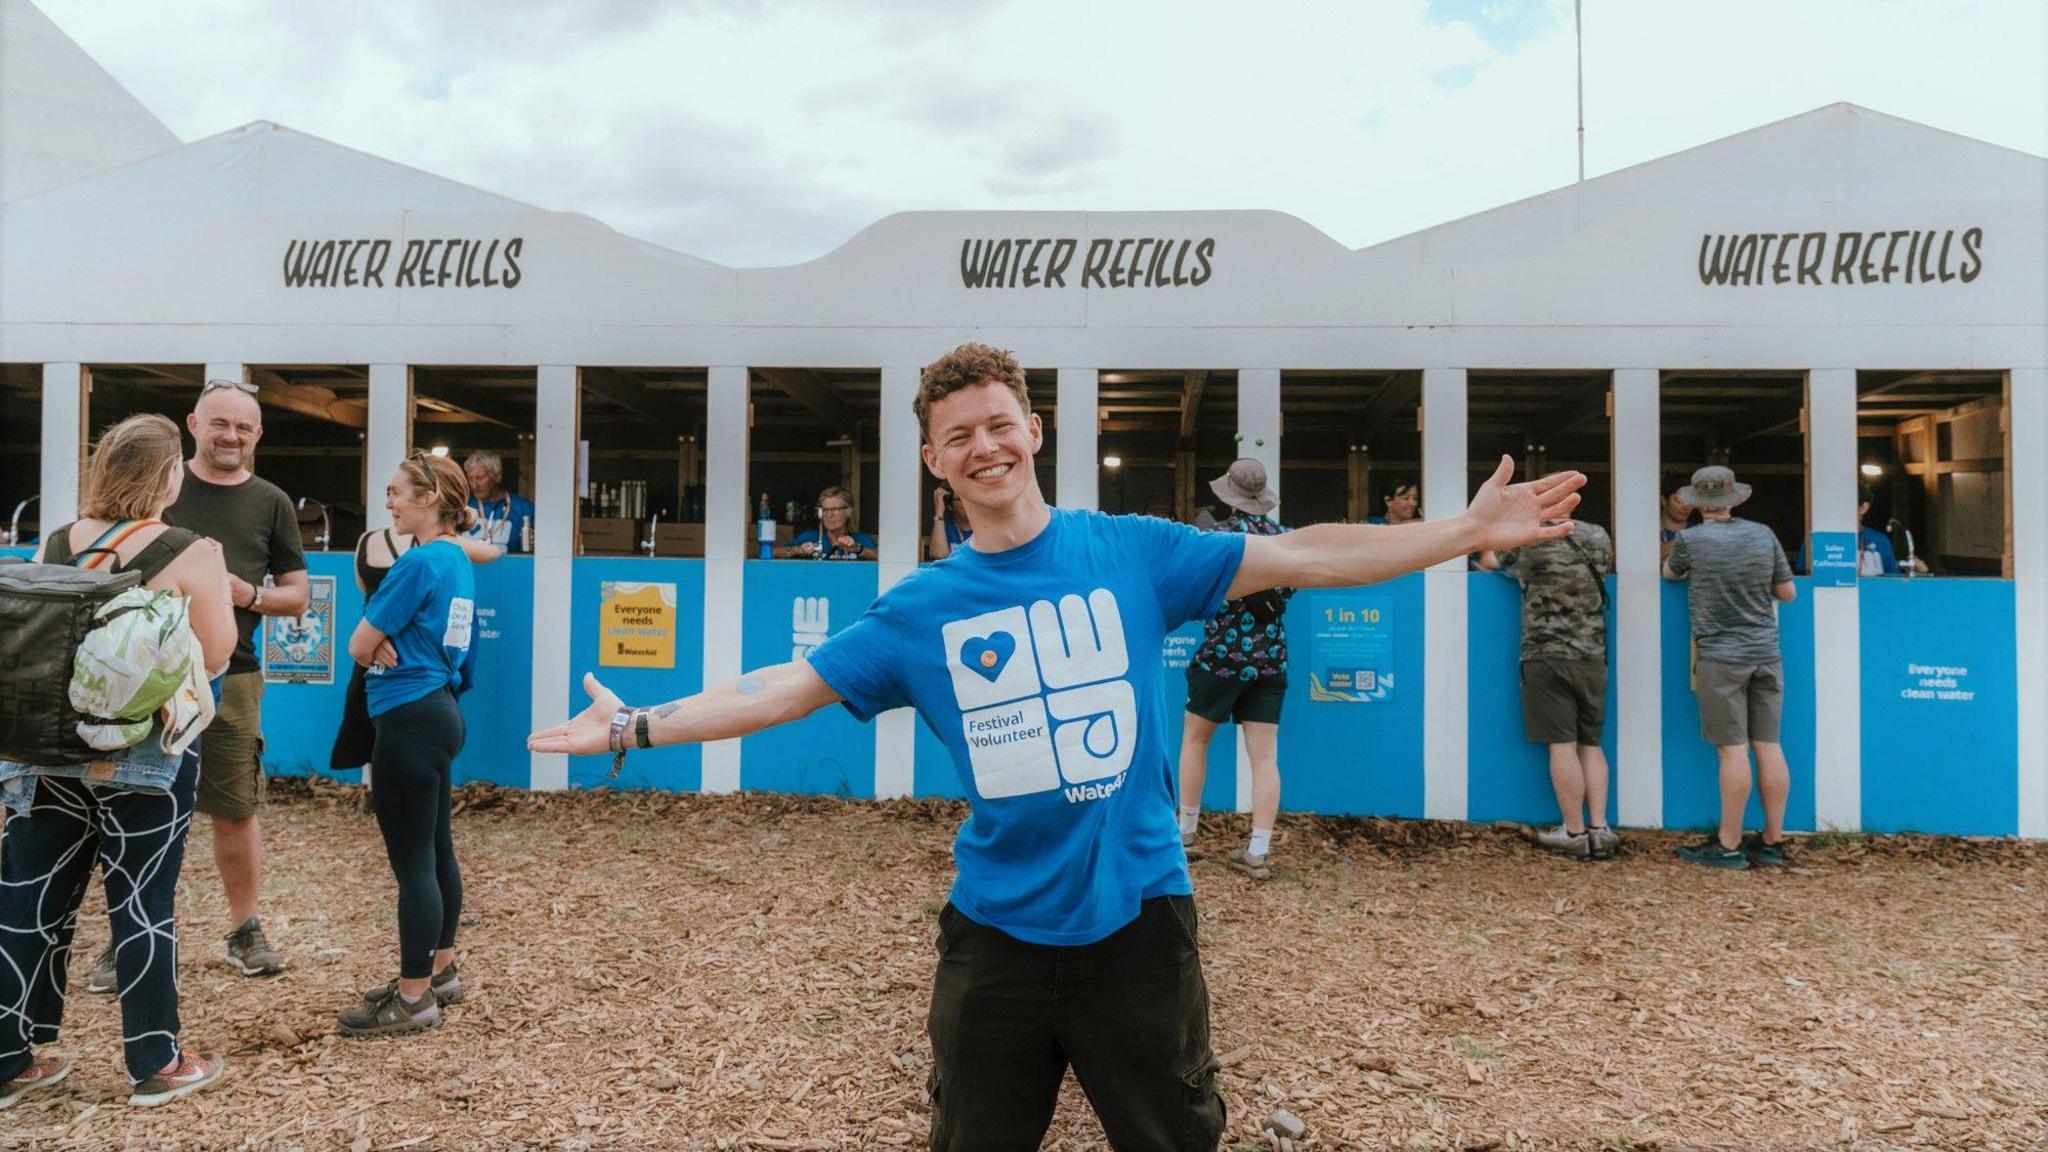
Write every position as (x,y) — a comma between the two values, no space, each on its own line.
(300,649)
(1351,648)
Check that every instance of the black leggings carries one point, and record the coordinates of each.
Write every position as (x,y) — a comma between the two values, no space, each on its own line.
(416,745)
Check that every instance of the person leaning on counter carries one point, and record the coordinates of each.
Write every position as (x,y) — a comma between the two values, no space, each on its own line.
(842,540)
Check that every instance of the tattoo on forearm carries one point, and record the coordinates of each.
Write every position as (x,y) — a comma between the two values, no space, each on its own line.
(663,711)
(749,685)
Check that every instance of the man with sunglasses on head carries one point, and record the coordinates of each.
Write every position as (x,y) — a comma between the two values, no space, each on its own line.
(258,531)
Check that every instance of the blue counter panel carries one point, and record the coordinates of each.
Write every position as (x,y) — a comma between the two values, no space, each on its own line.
(1508,778)
(1940,706)
(1355,759)
(678,768)
(497,711)
(23,552)
(790,605)
(299,720)
(1691,789)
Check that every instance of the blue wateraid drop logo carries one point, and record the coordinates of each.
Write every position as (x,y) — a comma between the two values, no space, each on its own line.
(987,655)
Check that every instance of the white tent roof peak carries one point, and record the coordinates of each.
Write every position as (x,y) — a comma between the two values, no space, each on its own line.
(62,116)
(1836,153)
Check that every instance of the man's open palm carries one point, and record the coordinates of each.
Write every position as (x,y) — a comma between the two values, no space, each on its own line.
(589,732)
(1511,515)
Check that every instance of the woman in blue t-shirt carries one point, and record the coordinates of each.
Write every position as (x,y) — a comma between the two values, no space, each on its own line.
(414,643)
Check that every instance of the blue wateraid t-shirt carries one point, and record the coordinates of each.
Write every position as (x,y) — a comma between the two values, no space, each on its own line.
(427,606)
(1039,669)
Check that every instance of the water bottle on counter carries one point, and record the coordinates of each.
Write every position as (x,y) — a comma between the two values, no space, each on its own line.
(764,528)
(526,534)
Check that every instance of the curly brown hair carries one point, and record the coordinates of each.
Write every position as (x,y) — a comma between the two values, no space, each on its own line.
(964,367)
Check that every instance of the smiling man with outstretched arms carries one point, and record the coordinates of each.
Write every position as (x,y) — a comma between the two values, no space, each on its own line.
(1033,653)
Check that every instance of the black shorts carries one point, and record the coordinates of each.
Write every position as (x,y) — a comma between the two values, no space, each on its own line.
(1564,701)
(1219,699)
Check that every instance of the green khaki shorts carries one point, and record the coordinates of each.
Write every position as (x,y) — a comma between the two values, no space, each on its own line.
(1739,703)
(1564,701)
(231,750)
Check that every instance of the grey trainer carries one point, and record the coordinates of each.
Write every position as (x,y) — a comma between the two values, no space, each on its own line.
(104,979)
(1255,867)
(251,952)
(446,986)
(1606,843)
(1577,845)
(390,1014)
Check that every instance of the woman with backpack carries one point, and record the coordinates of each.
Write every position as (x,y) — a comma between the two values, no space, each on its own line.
(132,823)
(414,644)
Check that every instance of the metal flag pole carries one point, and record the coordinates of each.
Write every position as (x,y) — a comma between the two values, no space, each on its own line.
(1579,46)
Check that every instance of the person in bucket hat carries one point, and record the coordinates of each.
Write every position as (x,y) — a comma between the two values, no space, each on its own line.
(1239,672)
(1736,574)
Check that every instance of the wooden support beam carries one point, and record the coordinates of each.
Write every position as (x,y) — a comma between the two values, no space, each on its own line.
(308,400)
(630,394)
(463,400)
(1192,385)
(813,392)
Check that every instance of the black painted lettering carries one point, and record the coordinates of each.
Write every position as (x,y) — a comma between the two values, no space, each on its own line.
(1946,237)
(1889,249)
(1017,260)
(1116,266)
(427,264)
(1155,270)
(323,265)
(441,267)
(999,264)
(490,265)
(1180,255)
(295,264)
(1866,269)
(1763,256)
(1714,269)
(467,275)
(1062,255)
(409,264)
(1138,256)
(1780,266)
(350,252)
(373,266)
(974,263)
(1846,246)
(512,273)
(1813,248)
(1092,264)
(1973,264)
(1031,277)
(1743,264)
(1920,269)
(1203,251)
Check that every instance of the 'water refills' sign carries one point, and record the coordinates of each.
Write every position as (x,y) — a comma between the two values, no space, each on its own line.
(1905,256)
(361,262)
(1107,262)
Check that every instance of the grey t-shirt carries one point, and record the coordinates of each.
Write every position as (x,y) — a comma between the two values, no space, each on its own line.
(1730,566)
(258,533)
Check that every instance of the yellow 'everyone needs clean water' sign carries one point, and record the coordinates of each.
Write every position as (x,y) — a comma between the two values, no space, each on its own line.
(636,625)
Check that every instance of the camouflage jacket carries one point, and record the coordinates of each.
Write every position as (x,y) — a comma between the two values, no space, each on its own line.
(1562,613)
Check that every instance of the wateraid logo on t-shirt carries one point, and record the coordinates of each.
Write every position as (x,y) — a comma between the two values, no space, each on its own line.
(461,613)
(810,621)
(1043,699)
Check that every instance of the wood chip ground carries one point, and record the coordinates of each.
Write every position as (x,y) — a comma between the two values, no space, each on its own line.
(751,972)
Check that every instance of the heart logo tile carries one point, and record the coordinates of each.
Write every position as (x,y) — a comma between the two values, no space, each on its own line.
(988,655)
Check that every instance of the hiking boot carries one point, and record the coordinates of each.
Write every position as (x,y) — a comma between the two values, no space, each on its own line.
(1577,845)
(389,1014)
(1712,854)
(446,986)
(191,1075)
(250,951)
(104,978)
(39,1074)
(1255,867)
(1762,855)
(1606,843)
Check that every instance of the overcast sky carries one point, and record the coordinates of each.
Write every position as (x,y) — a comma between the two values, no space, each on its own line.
(756,132)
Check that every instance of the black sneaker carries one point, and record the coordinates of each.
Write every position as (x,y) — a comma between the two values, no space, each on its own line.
(446,986)
(250,951)
(1762,855)
(1710,853)
(390,1014)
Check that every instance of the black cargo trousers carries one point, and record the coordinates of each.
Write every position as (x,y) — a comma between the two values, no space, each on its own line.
(1130,1012)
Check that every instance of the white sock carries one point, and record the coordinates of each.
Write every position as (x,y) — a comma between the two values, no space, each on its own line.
(1189,818)
(1262,838)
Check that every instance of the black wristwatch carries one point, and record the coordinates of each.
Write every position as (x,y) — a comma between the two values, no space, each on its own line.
(640,739)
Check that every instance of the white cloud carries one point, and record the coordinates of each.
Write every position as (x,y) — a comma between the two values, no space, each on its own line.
(749,132)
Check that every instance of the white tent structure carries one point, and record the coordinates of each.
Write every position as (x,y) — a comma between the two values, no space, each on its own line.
(1838,241)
